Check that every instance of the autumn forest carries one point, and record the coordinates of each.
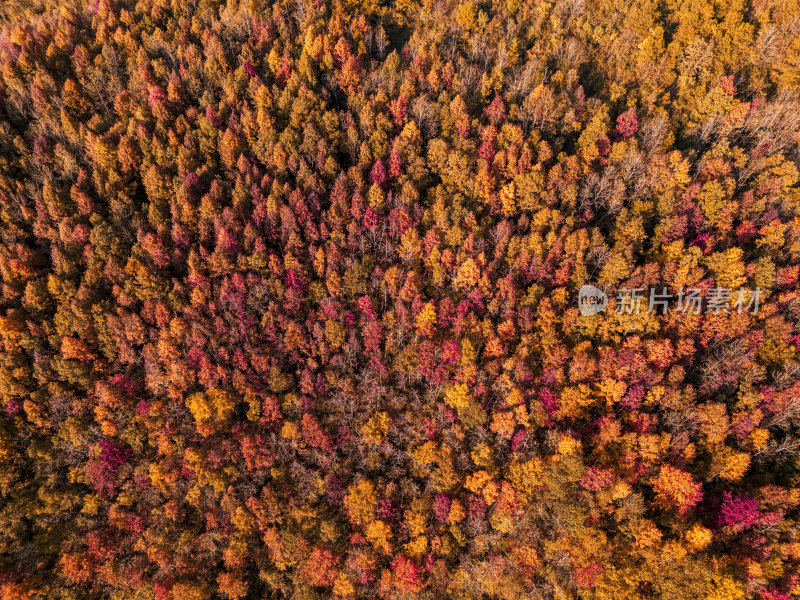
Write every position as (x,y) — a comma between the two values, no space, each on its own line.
(425,299)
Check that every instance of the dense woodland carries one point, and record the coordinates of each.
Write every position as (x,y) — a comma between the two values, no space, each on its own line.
(288,300)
